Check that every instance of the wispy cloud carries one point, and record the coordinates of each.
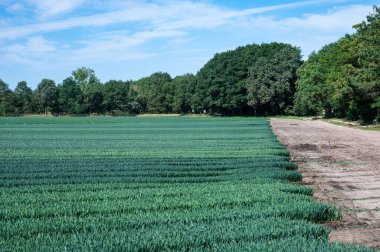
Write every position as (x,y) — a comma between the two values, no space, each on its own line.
(50,8)
(33,45)
(337,19)
(85,21)
(15,7)
(167,19)
(172,34)
(310,31)
(170,15)
(280,7)
(117,45)
(34,52)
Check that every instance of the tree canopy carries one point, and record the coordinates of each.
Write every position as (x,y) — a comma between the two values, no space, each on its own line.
(343,78)
(244,80)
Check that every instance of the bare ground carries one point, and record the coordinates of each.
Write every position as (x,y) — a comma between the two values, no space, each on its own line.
(343,166)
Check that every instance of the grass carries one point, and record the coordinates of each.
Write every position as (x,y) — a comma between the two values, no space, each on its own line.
(348,163)
(352,124)
(336,121)
(293,117)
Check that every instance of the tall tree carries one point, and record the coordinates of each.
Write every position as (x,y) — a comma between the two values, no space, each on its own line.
(93,98)
(116,96)
(47,96)
(6,99)
(85,77)
(271,81)
(367,81)
(70,97)
(24,96)
(151,91)
(136,103)
(217,79)
(311,91)
(184,87)
(91,88)
(346,72)
(221,83)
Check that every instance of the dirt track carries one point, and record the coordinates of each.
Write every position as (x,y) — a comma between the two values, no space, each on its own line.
(343,166)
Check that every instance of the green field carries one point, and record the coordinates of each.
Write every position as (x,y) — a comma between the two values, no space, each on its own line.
(153,184)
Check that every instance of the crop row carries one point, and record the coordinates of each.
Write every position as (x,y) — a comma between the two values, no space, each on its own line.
(154,184)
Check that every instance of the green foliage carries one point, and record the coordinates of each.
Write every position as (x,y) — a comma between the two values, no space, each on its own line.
(47,96)
(311,91)
(155,92)
(232,80)
(343,78)
(23,98)
(116,96)
(184,87)
(85,77)
(271,81)
(367,81)
(91,88)
(6,99)
(70,97)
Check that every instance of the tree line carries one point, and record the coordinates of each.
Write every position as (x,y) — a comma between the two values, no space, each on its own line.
(229,84)
(340,80)
(343,78)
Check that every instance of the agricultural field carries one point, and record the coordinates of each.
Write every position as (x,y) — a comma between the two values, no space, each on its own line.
(154,184)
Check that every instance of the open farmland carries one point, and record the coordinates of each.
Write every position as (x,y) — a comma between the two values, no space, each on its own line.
(152,184)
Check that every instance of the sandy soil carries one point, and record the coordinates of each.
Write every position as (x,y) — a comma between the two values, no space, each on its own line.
(342,164)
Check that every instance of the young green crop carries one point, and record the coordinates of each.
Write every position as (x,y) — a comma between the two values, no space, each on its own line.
(153,184)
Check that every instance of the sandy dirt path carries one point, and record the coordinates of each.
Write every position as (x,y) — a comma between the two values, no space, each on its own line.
(343,166)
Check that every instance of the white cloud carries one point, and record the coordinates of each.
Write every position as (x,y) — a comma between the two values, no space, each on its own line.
(311,31)
(36,44)
(9,59)
(36,51)
(39,44)
(338,19)
(175,22)
(15,7)
(118,45)
(166,15)
(50,8)
(281,7)
(324,29)
(84,21)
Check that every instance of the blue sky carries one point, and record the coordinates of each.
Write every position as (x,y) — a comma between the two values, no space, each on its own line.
(132,39)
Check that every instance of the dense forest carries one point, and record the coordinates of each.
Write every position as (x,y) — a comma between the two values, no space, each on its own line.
(343,78)
(340,80)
